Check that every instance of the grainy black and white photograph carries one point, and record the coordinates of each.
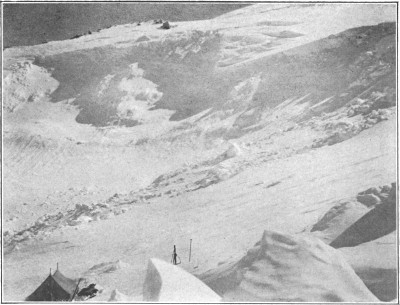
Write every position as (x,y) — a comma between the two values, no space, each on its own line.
(182,152)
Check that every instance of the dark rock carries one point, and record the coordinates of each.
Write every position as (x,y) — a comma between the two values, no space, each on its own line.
(166,25)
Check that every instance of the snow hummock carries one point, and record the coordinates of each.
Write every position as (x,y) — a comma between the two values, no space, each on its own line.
(233,150)
(107,267)
(376,223)
(337,219)
(288,268)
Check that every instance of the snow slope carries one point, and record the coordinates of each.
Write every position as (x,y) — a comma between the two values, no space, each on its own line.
(122,143)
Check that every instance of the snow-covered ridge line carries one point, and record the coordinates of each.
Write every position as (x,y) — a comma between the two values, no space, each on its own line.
(328,19)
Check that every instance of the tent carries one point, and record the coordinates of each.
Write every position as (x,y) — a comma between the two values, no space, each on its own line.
(56,287)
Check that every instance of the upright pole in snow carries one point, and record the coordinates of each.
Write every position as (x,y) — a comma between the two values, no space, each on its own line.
(190,249)
(76,290)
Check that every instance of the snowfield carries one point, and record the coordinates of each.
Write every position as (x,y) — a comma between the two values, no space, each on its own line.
(267,136)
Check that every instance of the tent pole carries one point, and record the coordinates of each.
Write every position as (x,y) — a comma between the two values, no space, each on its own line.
(190,249)
(51,288)
(75,291)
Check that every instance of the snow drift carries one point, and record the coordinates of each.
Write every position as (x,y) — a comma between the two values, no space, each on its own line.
(376,223)
(168,283)
(289,268)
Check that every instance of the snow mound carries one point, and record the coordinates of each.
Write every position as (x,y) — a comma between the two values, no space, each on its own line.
(168,283)
(107,267)
(347,212)
(337,219)
(376,223)
(233,151)
(291,269)
(368,199)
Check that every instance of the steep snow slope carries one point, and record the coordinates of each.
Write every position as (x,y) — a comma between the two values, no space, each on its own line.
(91,68)
(120,144)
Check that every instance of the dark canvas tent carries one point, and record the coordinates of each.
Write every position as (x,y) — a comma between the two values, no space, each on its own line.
(56,287)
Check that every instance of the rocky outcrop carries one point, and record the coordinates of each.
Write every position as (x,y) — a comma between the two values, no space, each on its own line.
(165,25)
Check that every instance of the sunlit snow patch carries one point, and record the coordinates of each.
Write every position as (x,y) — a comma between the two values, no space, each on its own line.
(26,82)
(142,95)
